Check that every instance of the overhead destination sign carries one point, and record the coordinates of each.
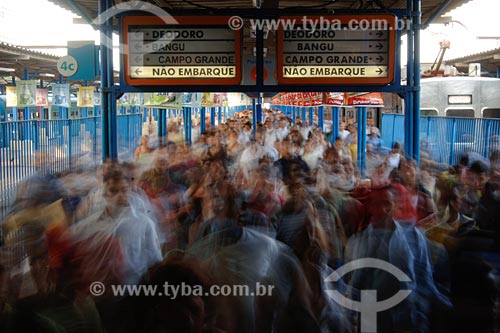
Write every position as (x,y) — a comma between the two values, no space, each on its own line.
(196,51)
(341,53)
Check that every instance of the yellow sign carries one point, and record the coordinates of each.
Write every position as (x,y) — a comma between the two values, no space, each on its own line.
(334,71)
(85,97)
(11,97)
(180,72)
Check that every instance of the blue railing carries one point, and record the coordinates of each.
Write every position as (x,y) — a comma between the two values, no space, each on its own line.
(55,146)
(445,138)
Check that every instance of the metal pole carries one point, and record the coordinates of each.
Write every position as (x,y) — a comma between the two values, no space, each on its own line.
(202,121)
(362,141)
(311,115)
(254,117)
(104,85)
(321,118)
(212,116)
(335,123)
(416,73)
(190,125)
(410,83)
(259,108)
(184,115)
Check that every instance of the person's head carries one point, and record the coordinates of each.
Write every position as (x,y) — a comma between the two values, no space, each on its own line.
(339,142)
(186,313)
(409,172)
(269,124)
(232,135)
(296,137)
(396,148)
(144,140)
(283,123)
(477,175)
(495,161)
(171,149)
(247,127)
(380,206)
(116,190)
(295,171)
(332,156)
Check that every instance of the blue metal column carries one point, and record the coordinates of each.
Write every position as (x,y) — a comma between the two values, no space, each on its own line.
(190,125)
(184,115)
(219,115)
(311,115)
(212,116)
(362,141)
(109,142)
(416,72)
(335,123)
(410,82)
(162,126)
(321,118)
(203,128)
(254,117)
(303,111)
(259,109)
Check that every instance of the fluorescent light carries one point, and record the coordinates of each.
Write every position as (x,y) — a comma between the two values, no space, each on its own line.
(47,75)
(6,69)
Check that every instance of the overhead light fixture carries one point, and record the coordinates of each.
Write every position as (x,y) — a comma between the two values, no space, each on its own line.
(253,32)
(7,69)
(47,75)
(264,51)
(257,3)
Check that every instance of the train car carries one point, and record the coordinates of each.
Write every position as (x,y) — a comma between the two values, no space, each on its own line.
(470,97)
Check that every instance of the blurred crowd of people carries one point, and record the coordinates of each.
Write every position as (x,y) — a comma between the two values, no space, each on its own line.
(278,204)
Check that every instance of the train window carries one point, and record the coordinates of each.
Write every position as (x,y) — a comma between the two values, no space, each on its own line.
(459,99)
(460,113)
(491,113)
(428,112)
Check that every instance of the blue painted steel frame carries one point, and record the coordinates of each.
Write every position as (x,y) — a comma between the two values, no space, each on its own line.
(108,100)
(410,92)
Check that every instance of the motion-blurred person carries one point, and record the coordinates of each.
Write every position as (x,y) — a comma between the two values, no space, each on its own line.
(405,247)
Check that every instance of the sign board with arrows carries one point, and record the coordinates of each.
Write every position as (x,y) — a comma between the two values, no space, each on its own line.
(337,50)
(196,51)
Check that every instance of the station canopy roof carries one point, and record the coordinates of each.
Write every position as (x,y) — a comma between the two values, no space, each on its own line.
(430,8)
(489,60)
(14,59)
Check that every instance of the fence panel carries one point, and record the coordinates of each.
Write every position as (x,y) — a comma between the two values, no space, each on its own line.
(446,139)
